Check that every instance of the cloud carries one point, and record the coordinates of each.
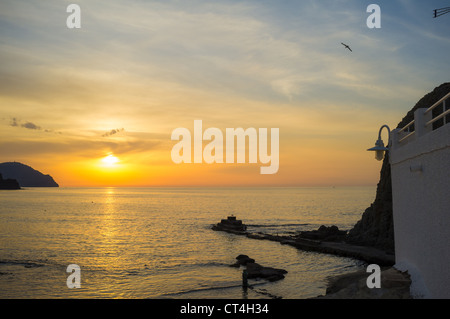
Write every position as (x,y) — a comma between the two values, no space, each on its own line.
(31,126)
(14,122)
(78,147)
(113,132)
(27,125)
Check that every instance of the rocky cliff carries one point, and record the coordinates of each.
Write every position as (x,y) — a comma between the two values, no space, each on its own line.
(25,175)
(376,227)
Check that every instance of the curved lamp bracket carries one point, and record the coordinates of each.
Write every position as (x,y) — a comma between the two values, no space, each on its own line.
(379,148)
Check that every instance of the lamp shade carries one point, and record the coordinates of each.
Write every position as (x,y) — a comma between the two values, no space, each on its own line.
(379,149)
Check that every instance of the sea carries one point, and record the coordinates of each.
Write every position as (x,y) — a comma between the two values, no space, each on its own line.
(157,243)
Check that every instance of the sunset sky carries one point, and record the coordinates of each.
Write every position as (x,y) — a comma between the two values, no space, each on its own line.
(136,70)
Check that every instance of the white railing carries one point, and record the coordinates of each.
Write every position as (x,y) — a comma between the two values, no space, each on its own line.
(406,129)
(424,120)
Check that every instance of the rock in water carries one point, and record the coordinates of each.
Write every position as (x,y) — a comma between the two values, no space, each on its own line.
(243,260)
(255,270)
(231,224)
(8,183)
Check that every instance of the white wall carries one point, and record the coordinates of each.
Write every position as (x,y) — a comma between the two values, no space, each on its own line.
(420,171)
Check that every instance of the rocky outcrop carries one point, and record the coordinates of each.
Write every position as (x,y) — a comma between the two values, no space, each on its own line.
(336,247)
(231,225)
(242,260)
(331,233)
(8,183)
(26,176)
(255,270)
(376,227)
(364,253)
(394,285)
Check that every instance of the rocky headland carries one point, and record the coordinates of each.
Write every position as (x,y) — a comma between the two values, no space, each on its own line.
(25,175)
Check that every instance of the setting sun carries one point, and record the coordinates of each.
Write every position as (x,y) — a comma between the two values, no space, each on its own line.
(110,160)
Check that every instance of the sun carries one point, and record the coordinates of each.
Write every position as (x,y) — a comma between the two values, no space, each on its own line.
(110,160)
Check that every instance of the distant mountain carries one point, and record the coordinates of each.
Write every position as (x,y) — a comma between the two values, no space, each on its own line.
(25,175)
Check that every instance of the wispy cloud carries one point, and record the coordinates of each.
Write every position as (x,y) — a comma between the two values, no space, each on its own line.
(14,122)
(27,125)
(113,132)
(31,126)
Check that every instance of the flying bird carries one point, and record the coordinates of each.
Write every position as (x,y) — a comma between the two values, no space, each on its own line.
(346,46)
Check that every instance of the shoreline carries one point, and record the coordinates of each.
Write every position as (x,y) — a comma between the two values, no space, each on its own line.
(364,253)
(395,284)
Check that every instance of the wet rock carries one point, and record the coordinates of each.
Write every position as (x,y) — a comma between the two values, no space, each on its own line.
(331,233)
(394,285)
(242,260)
(255,270)
(231,225)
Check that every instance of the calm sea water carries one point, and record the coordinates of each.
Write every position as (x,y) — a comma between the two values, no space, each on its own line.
(158,242)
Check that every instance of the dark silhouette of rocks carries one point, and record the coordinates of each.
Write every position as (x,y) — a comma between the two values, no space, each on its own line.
(337,246)
(331,233)
(394,285)
(231,224)
(8,183)
(372,238)
(255,270)
(242,260)
(26,176)
(376,227)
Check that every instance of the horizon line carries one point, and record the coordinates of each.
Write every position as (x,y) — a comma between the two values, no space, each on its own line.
(214,186)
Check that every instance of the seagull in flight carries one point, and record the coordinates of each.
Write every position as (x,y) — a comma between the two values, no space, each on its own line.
(346,46)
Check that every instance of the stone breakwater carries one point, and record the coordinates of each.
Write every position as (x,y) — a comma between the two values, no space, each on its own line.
(364,253)
(394,283)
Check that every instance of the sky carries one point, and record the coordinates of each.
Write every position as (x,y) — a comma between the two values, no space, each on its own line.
(136,70)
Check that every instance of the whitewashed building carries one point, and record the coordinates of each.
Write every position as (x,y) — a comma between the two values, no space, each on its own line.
(420,170)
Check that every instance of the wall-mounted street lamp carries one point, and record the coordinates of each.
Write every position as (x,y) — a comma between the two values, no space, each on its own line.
(379,148)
